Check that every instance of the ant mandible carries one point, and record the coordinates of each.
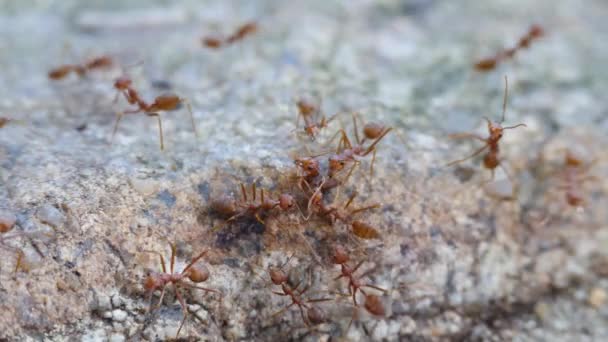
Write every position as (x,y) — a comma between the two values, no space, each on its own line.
(491,160)
(160,281)
(166,102)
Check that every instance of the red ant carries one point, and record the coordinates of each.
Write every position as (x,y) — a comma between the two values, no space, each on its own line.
(347,153)
(313,315)
(241,32)
(334,213)
(4,121)
(490,160)
(490,63)
(160,281)
(314,121)
(574,175)
(227,206)
(101,62)
(165,102)
(372,303)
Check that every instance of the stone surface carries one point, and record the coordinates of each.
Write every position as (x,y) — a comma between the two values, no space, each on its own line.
(457,262)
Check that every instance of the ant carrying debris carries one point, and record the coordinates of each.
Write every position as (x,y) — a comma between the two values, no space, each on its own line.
(372,303)
(242,31)
(491,160)
(160,281)
(166,102)
(227,206)
(101,62)
(314,315)
(490,63)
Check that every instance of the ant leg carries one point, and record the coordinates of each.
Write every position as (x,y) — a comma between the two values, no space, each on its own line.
(466,136)
(357,267)
(200,288)
(119,116)
(244,192)
(162,260)
(259,219)
(371,167)
(469,157)
(280,293)
(374,287)
(184,309)
(303,316)
(160,129)
(162,296)
(356,129)
(358,210)
(184,100)
(373,145)
(18,263)
(194,260)
(173,250)
(253,191)
(282,310)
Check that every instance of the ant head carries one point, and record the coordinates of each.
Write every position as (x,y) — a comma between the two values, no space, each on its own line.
(212,42)
(198,274)
(536,31)
(60,72)
(336,163)
(574,199)
(152,282)
(286,201)
(316,315)
(374,305)
(372,130)
(122,83)
(306,107)
(100,62)
(340,255)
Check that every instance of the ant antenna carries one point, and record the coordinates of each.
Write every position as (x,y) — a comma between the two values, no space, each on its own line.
(504,101)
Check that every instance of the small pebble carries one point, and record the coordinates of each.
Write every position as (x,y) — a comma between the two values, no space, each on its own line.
(145,187)
(117,338)
(597,297)
(119,315)
(103,303)
(50,215)
(7,221)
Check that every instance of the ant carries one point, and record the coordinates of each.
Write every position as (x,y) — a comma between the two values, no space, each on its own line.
(4,121)
(241,32)
(372,303)
(314,121)
(334,213)
(160,281)
(490,63)
(495,130)
(227,206)
(574,175)
(313,315)
(101,62)
(347,153)
(164,102)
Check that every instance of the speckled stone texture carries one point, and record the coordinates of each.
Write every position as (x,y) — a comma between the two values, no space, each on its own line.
(460,260)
